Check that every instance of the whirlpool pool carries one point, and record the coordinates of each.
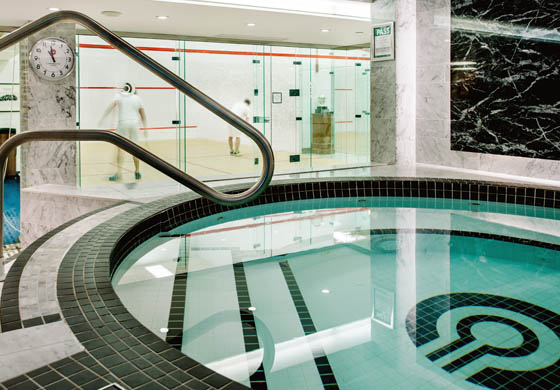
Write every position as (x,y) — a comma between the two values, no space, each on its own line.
(358,293)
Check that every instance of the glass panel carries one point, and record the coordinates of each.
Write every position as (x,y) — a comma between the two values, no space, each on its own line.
(323,116)
(286,109)
(226,72)
(362,105)
(310,103)
(260,105)
(9,124)
(104,104)
(9,88)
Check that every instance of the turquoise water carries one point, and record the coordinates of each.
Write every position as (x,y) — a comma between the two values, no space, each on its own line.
(358,294)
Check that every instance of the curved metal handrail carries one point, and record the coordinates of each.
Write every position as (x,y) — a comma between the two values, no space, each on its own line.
(170,77)
(100,135)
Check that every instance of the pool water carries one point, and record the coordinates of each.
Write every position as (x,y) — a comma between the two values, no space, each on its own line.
(362,293)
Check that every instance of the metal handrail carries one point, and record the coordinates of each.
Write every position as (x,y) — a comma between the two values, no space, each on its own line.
(151,159)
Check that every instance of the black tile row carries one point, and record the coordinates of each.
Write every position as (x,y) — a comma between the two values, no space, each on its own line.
(321,360)
(249,328)
(475,191)
(9,303)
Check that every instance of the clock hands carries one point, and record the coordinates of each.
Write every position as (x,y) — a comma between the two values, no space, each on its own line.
(52,54)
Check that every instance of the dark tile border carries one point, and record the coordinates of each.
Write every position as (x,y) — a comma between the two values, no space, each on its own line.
(9,302)
(126,352)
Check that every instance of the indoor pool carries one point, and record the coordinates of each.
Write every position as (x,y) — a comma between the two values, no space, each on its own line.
(359,293)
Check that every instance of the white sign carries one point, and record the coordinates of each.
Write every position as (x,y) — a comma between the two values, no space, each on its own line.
(383,42)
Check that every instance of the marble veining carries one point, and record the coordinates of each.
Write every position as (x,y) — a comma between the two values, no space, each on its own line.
(48,105)
(505,77)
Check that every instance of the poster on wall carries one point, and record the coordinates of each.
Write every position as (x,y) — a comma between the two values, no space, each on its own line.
(9,98)
(383,42)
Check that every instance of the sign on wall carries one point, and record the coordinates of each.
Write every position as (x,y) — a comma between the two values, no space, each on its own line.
(383,42)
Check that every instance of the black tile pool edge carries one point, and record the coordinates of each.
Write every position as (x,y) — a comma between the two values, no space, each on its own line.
(9,302)
(120,349)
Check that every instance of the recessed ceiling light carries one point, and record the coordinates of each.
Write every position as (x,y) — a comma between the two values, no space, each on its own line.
(164,330)
(162,17)
(54,9)
(252,308)
(325,30)
(251,24)
(112,14)
(325,291)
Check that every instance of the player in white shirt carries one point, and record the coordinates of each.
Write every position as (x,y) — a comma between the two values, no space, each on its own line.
(130,115)
(243,110)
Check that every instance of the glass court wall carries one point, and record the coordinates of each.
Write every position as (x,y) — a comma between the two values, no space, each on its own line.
(312,105)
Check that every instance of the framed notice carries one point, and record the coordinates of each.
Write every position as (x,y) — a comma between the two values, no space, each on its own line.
(383,42)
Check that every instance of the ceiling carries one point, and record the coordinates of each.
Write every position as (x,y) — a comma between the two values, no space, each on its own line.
(195,20)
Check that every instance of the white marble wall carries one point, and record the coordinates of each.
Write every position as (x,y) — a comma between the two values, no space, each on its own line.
(47,105)
(420,78)
(433,105)
(393,87)
(44,209)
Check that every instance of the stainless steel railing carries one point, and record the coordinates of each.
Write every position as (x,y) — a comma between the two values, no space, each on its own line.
(144,155)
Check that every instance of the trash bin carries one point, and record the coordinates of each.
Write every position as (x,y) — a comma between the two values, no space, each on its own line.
(4,135)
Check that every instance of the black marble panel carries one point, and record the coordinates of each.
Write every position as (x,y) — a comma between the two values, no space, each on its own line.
(505,77)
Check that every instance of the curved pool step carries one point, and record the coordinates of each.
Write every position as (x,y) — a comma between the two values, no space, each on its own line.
(33,334)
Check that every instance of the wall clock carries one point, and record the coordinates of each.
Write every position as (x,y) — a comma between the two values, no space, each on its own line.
(52,59)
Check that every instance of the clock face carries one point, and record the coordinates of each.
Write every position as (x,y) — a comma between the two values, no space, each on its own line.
(52,59)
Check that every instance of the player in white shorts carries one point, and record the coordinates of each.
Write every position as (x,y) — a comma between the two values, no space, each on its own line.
(130,115)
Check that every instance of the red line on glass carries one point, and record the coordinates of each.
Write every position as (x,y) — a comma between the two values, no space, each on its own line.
(162,128)
(227,52)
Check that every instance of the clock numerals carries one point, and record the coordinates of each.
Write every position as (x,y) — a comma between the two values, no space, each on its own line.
(52,59)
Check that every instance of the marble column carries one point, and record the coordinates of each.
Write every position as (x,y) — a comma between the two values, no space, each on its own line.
(393,87)
(47,105)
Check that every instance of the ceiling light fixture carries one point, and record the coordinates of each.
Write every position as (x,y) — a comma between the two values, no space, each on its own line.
(162,17)
(112,14)
(164,330)
(325,30)
(251,24)
(252,308)
(54,9)
(325,291)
